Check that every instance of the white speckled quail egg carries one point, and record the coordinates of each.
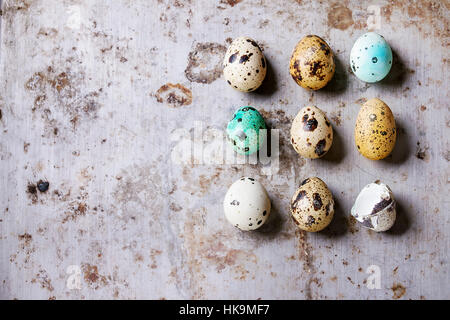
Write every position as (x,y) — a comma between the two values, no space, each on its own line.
(374,207)
(244,65)
(312,205)
(247,204)
(311,133)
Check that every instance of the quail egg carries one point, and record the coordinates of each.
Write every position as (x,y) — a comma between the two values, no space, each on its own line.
(244,65)
(312,206)
(374,207)
(375,130)
(243,131)
(312,63)
(311,133)
(371,57)
(247,204)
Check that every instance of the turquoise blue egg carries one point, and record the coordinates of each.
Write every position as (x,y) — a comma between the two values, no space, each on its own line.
(243,130)
(371,57)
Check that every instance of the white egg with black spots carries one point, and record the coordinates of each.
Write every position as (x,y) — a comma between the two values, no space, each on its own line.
(247,204)
(244,65)
(374,207)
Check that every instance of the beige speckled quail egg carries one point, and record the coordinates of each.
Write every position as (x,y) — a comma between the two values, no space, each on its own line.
(375,207)
(311,133)
(312,206)
(375,130)
(312,63)
(247,204)
(244,65)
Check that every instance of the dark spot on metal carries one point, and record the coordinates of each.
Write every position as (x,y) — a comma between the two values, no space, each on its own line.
(31,189)
(43,185)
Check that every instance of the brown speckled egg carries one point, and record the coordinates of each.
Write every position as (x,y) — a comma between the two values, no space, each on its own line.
(312,206)
(311,133)
(312,63)
(244,65)
(375,131)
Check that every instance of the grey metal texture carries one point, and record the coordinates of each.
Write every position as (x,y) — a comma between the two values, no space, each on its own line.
(91,93)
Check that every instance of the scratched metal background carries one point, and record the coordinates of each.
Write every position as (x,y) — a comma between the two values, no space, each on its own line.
(91,92)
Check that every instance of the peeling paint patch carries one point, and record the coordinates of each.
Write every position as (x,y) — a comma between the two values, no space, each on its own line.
(339,17)
(205,62)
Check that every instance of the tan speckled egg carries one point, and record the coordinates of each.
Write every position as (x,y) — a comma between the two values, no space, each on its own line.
(244,65)
(375,131)
(311,133)
(312,206)
(312,63)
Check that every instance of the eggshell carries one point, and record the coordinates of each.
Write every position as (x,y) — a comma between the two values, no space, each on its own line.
(371,57)
(312,205)
(375,131)
(374,207)
(311,133)
(244,65)
(243,131)
(312,63)
(247,204)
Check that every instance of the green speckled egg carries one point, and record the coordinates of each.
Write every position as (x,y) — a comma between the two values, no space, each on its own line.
(243,130)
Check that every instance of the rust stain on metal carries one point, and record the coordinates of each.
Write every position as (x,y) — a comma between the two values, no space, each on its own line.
(398,290)
(44,280)
(231,3)
(92,277)
(174,95)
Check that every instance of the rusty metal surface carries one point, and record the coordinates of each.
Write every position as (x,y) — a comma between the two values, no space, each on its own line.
(91,92)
